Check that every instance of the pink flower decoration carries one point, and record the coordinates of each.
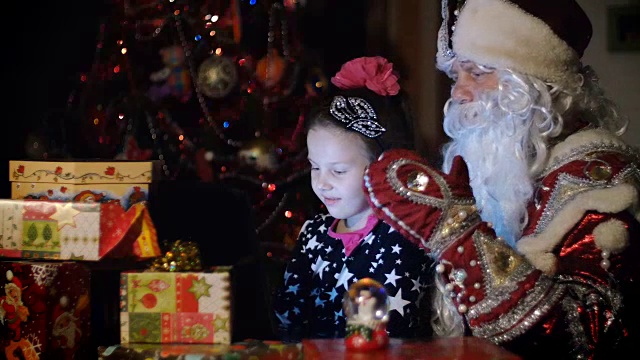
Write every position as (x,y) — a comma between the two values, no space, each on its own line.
(375,73)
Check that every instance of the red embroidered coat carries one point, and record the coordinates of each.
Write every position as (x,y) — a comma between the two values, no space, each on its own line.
(570,289)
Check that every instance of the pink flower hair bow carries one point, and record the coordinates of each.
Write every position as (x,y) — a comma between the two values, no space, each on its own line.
(375,73)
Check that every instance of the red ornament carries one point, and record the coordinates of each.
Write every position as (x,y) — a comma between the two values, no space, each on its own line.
(149,301)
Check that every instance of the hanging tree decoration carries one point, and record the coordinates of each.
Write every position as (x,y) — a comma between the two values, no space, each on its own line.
(202,101)
(217,76)
(277,74)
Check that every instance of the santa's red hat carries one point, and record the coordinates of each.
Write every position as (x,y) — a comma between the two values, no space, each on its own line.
(543,38)
(14,279)
(61,307)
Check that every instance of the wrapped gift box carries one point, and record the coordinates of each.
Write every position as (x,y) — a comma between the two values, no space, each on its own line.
(124,182)
(45,311)
(38,229)
(176,307)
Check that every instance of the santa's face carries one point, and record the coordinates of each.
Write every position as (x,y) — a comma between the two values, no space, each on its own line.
(14,293)
(471,81)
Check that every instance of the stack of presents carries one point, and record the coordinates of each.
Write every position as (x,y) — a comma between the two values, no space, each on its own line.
(67,224)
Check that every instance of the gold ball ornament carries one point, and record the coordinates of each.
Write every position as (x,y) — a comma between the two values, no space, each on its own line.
(271,68)
(217,76)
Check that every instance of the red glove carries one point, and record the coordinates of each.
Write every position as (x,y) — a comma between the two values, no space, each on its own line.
(427,206)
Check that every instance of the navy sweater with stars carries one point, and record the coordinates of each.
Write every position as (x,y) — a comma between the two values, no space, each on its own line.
(309,303)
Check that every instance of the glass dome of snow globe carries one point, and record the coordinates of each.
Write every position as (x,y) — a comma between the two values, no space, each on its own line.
(366,302)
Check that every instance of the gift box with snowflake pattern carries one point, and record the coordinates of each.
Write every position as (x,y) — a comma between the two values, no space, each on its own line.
(176,307)
(45,311)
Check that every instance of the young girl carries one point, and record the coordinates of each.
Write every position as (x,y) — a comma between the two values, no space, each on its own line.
(364,117)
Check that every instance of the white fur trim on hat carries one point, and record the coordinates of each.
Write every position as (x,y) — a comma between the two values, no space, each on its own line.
(497,33)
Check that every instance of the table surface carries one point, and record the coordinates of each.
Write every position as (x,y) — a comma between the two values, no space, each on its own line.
(459,348)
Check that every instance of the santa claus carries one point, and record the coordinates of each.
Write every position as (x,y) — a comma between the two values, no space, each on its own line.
(12,310)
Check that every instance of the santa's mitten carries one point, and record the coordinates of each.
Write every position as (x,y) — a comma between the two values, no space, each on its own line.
(427,206)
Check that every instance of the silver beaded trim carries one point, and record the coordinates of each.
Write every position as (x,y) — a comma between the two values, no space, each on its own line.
(504,330)
(358,114)
(568,187)
(581,152)
(529,309)
(536,304)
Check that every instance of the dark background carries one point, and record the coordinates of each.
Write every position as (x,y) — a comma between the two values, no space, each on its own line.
(47,44)
(44,45)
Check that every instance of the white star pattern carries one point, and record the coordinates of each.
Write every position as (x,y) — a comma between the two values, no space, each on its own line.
(343,277)
(416,285)
(313,243)
(368,239)
(397,303)
(396,249)
(319,266)
(392,277)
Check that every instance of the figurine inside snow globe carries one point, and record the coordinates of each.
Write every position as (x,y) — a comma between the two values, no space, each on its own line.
(366,306)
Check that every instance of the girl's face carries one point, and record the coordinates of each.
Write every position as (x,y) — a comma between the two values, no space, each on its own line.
(338,159)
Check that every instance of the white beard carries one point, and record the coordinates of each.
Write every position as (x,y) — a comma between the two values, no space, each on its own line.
(493,144)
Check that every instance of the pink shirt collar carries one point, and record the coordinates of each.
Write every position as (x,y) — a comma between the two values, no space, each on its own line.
(351,239)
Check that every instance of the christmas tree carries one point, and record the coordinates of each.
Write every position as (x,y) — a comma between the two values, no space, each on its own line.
(216,90)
